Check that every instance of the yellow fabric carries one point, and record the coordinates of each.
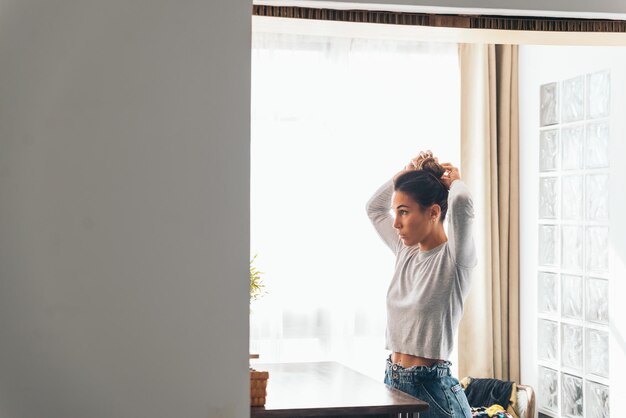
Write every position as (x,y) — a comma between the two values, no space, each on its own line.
(494,409)
(513,402)
(489,330)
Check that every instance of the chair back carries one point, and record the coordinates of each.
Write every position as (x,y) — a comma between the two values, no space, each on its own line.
(530,394)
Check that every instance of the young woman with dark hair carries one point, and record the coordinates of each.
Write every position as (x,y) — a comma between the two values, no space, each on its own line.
(431,279)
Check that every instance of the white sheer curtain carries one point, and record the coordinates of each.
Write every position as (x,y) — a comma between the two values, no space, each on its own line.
(332,118)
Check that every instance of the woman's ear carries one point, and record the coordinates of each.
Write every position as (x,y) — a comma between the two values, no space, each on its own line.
(435,211)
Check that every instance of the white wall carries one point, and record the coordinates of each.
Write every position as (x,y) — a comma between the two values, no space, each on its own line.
(540,65)
(124,208)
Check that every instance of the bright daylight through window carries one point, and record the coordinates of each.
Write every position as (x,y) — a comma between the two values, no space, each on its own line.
(332,119)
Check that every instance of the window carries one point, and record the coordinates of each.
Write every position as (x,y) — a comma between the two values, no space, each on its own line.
(333,117)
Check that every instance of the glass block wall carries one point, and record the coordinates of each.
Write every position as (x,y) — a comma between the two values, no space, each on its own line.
(572,329)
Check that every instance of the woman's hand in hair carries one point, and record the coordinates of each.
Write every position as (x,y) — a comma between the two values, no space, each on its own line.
(451,174)
(416,163)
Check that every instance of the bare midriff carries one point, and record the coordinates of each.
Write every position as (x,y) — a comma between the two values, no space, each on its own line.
(408,360)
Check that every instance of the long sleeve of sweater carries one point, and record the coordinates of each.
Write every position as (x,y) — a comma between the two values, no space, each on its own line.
(378,210)
(460,224)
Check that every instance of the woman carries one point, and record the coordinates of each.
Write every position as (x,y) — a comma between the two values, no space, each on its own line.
(431,279)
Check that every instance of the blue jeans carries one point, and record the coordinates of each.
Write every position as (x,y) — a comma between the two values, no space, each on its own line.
(434,385)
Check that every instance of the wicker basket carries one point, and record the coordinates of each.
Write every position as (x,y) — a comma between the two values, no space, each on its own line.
(258,387)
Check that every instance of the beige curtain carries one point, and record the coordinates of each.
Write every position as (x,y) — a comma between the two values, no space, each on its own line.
(489,332)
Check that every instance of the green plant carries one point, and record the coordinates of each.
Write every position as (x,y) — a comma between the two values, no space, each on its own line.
(256,282)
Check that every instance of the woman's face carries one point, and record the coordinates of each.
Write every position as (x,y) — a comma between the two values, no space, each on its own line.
(412,222)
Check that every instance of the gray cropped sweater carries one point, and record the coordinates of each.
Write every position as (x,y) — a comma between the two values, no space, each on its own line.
(428,288)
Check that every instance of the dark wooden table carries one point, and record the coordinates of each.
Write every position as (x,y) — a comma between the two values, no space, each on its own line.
(330,389)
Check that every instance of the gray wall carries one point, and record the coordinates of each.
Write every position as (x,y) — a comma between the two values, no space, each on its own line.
(124,208)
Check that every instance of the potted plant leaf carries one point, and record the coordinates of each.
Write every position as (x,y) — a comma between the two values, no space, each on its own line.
(258,379)
(256,281)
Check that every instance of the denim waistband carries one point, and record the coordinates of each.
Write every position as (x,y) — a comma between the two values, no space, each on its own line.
(417,373)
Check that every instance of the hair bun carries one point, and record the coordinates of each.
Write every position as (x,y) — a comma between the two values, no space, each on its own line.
(429,164)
